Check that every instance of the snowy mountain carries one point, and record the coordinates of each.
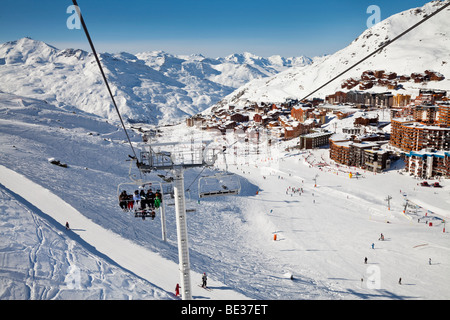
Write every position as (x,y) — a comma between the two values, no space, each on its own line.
(232,71)
(425,48)
(151,87)
(301,228)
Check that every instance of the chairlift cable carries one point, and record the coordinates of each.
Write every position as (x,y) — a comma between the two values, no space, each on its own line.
(187,189)
(102,72)
(379,49)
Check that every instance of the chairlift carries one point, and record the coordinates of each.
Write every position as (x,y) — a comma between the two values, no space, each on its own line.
(223,184)
(144,207)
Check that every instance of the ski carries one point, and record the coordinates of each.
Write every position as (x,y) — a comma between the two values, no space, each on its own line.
(206,288)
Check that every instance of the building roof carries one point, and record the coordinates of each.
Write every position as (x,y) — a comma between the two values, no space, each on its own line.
(317,134)
(428,153)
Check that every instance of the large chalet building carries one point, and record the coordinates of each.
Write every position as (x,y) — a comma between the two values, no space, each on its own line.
(428,163)
(410,135)
(366,154)
(423,137)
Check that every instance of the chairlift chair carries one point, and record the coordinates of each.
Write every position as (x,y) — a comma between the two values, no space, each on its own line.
(220,184)
(130,205)
(223,184)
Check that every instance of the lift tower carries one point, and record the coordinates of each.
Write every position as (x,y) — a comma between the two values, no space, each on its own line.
(176,157)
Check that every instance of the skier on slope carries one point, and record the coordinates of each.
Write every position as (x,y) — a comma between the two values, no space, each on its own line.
(204,279)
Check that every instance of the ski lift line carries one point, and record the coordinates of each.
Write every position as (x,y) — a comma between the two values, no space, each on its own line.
(380,49)
(195,179)
(103,73)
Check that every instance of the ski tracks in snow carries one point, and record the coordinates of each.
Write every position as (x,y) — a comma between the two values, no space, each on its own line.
(35,246)
(51,265)
(108,261)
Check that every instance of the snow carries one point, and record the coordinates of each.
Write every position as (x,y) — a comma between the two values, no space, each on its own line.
(153,87)
(120,251)
(300,228)
(323,234)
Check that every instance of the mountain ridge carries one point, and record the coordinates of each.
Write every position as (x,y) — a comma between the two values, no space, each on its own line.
(151,87)
(426,48)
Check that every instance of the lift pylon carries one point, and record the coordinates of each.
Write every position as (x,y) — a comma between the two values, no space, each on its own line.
(176,157)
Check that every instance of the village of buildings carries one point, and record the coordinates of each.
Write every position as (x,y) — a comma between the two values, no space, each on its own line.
(419,125)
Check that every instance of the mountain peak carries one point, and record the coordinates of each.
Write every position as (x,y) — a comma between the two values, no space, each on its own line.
(424,48)
(154,87)
(27,51)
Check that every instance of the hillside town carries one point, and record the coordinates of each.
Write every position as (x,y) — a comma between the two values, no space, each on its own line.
(418,131)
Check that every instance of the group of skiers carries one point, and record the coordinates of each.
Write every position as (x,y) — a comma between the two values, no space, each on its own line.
(204,280)
(293,190)
(140,200)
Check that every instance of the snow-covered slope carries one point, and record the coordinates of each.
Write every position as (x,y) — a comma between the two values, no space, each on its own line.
(425,48)
(323,233)
(152,87)
(38,257)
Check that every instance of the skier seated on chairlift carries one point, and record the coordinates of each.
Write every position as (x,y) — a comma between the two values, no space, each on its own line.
(137,200)
(130,202)
(158,199)
(144,200)
(150,199)
(158,195)
(123,200)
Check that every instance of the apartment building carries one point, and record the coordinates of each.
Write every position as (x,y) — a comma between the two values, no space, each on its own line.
(315,140)
(409,135)
(365,155)
(428,163)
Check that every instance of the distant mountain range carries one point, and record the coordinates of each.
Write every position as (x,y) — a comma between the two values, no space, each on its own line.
(159,88)
(151,87)
(426,48)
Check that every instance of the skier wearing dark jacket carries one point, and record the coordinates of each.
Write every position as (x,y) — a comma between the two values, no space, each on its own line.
(204,278)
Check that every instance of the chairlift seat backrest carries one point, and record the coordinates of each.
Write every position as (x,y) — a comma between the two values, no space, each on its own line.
(218,193)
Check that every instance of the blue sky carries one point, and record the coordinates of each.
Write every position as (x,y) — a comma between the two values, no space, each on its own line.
(211,27)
